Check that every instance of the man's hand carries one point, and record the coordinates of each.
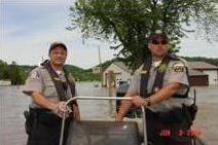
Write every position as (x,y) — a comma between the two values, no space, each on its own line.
(124,107)
(138,101)
(119,118)
(60,109)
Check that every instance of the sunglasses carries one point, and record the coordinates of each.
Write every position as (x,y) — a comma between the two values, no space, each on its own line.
(156,42)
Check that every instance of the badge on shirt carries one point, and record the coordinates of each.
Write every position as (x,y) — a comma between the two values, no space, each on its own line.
(179,68)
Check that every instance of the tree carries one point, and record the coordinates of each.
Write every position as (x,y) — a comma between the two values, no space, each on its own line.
(4,72)
(127,23)
(17,76)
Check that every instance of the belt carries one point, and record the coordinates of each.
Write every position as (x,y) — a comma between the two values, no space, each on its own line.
(175,115)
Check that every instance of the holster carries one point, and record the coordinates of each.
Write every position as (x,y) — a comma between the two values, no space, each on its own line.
(30,121)
(185,115)
(190,111)
(175,115)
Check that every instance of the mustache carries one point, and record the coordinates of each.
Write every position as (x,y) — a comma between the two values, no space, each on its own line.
(59,58)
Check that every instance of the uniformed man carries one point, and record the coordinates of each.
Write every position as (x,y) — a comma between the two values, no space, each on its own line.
(161,84)
(49,86)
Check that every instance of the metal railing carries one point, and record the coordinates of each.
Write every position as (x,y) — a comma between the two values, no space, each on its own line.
(102,98)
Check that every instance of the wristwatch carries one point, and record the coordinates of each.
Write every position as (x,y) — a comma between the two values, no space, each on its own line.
(148,101)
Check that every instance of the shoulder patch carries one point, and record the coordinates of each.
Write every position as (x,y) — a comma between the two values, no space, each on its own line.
(179,67)
(34,75)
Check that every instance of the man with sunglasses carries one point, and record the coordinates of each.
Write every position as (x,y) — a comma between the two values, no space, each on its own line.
(161,84)
(50,86)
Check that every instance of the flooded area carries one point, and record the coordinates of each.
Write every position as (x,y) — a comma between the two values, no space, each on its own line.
(207,117)
(13,103)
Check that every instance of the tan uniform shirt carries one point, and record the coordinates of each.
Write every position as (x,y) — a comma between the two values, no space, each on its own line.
(175,73)
(39,80)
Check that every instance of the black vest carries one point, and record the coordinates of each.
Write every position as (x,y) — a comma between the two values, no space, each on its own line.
(158,83)
(61,87)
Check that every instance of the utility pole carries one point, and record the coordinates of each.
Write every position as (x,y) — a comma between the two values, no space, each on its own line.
(100,63)
(111,89)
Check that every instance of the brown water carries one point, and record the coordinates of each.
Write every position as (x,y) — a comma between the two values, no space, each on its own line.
(207,117)
(13,103)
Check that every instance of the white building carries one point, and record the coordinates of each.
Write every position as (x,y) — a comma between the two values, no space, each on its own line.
(5,82)
(201,73)
(121,71)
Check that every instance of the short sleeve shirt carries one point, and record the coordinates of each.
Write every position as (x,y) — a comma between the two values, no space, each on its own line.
(175,72)
(34,82)
(39,80)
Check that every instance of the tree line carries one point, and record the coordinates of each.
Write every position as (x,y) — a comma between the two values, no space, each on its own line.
(12,72)
(17,74)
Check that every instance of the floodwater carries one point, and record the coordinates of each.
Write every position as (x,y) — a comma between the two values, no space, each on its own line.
(14,102)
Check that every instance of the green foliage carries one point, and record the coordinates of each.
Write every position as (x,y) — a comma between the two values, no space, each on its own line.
(81,74)
(17,75)
(12,72)
(4,73)
(128,23)
(78,73)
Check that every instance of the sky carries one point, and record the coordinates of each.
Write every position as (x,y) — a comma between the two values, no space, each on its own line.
(28,27)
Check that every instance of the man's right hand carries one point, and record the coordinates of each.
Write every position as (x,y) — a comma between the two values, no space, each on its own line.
(138,101)
(118,118)
(124,107)
(58,108)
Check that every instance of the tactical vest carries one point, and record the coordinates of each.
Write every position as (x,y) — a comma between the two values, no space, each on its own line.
(60,86)
(159,78)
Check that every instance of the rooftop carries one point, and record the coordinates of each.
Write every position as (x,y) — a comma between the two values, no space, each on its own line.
(201,65)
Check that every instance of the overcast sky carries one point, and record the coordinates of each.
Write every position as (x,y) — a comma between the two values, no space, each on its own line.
(29,26)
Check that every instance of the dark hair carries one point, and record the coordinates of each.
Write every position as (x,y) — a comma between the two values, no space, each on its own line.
(158,36)
(57,44)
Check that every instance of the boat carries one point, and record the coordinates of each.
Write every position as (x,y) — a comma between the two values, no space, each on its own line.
(108,132)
